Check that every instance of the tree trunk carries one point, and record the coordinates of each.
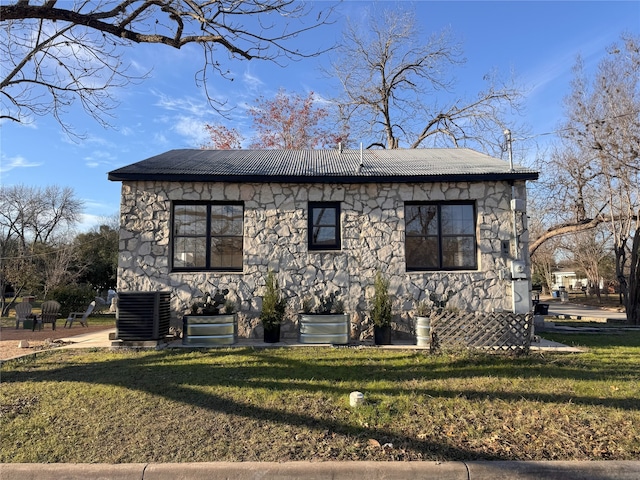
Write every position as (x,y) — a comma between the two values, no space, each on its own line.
(633,291)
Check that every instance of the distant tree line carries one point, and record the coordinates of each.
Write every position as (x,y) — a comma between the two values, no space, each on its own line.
(40,250)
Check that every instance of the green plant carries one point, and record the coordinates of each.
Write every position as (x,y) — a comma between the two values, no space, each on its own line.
(72,298)
(211,305)
(307,305)
(440,302)
(327,304)
(273,303)
(230,307)
(381,304)
(423,309)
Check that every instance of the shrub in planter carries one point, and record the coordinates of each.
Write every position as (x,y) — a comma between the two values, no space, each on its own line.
(324,322)
(422,320)
(205,323)
(273,309)
(327,305)
(211,304)
(381,311)
(422,324)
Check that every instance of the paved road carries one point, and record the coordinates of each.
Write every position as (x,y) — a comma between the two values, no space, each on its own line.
(559,308)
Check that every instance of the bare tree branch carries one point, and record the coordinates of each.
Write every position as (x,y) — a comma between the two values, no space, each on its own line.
(55,53)
(392,78)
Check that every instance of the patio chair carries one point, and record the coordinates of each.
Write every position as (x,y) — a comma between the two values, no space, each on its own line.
(23,312)
(80,316)
(50,312)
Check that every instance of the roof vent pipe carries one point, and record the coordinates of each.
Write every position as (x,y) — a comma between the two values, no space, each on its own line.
(507,134)
(340,147)
(361,159)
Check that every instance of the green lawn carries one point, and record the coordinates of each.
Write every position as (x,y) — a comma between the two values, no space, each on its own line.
(288,404)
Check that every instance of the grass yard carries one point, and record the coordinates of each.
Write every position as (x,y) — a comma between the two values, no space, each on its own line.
(289,404)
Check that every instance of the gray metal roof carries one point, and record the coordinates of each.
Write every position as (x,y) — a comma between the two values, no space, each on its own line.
(323,166)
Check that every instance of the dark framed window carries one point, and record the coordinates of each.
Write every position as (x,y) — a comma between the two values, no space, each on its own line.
(207,236)
(324,226)
(440,236)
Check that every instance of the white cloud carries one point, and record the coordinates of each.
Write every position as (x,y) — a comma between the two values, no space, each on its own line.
(88,222)
(160,139)
(558,66)
(7,164)
(98,158)
(127,131)
(192,129)
(251,80)
(191,105)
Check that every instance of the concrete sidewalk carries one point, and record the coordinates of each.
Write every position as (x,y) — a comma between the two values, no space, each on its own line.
(485,470)
(101,340)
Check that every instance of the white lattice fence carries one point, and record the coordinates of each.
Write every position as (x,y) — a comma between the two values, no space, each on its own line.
(501,331)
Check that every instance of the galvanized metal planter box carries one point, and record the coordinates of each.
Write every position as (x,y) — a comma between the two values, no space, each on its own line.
(332,328)
(210,329)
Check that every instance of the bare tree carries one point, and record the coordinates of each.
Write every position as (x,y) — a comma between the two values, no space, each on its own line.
(601,164)
(543,264)
(589,250)
(396,83)
(55,53)
(543,261)
(33,224)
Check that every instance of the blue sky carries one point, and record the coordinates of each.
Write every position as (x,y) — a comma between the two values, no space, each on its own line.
(538,41)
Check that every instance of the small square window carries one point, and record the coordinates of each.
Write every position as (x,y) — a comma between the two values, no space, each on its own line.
(324,226)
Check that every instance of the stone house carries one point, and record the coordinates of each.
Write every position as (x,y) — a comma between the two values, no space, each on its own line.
(437,223)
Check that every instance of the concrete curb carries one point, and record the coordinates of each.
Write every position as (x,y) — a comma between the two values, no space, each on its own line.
(485,470)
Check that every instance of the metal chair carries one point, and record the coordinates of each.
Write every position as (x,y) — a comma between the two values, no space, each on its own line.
(80,316)
(23,311)
(49,314)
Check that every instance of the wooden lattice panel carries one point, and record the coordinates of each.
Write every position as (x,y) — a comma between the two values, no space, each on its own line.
(499,331)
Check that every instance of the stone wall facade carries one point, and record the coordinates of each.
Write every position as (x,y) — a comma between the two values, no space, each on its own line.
(275,238)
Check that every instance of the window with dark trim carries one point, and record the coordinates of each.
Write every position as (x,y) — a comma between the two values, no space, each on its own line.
(440,236)
(324,226)
(207,236)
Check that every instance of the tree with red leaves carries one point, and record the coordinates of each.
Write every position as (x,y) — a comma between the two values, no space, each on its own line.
(288,121)
(222,138)
(293,122)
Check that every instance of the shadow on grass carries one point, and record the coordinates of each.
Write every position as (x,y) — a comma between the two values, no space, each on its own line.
(159,375)
(188,377)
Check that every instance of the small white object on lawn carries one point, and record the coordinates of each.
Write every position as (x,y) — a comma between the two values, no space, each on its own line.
(356,398)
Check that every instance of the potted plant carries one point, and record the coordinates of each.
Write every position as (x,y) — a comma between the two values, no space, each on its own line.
(381,311)
(427,308)
(273,309)
(422,324)
(205,323)
(324,322)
